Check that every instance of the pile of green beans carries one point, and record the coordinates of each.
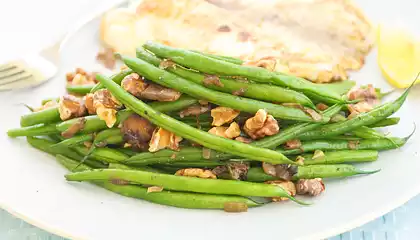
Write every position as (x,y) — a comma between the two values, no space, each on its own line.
(310,143)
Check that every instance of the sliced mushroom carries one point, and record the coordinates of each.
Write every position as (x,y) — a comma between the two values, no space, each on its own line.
(137,131)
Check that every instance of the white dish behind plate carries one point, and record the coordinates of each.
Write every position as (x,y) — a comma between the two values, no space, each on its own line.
(32,185)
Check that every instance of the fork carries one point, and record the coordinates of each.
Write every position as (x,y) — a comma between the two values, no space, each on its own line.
(33,70)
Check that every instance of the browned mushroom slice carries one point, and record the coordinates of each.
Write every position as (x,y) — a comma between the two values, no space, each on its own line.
(137,131)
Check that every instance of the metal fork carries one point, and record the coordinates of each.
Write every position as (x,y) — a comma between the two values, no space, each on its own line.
(33,70)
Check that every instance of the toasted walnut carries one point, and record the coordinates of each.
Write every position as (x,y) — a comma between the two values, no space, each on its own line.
(212,80)
(353,145)
(268,63)
(162,138)
(107,57)
(282,171)
(194,110)
(154,189)
(286,185)
(368,100)
(321,106)
(360,107)
(49,104)
(230,132)
(203,102)
(261,125)
(243,140)
(312,187)
(233,170)
(134,84)
(106,106)
(74,128)
(137,131)
(71,107)
(313,114)
(222,115)
(269,168)
(89,103)
(300,160)
(318,154)
(166,63)
(81,77)
(195,172)
(293,144)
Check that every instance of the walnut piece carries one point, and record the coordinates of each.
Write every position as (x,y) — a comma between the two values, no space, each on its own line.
(293,144)
(138,87)
(311,187)
(107,57)
(288,186)
(71,107)
(195,172)
(154,189)
(194,110)
(89,103)
(222,115)
(261,125)
(230,132)
(162,138)
(368,100)
(81,77)
(74,128)
(318,154)
(137,131)
(243,140)
(212,80)
(106,106)
(321,107)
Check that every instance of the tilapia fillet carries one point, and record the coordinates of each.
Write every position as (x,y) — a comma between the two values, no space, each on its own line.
(320,40)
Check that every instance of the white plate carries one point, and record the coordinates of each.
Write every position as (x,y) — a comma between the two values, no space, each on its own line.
(32,185)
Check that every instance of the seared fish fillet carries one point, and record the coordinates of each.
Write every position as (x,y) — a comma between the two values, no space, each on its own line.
(320,40)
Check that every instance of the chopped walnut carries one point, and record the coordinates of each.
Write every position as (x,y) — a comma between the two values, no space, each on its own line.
(47,105)
(268,63)
(107,57)
(137,131)
(154,189)
(212,80)
(311,187)
(203,102)
(89,103)
(368,100)
(243,140)
(230,132)
(194,110)
(74,128)
(138,87)
(239,92)
(81,77)
(87,144)
(300,160)
(71,107)
(353,145)
(282,171)
(288,186)
(261,125)
(293,144)
(321,107)
(166,63)
(222,115)
(195,172)
(162,138)
(318,154)
(313,114)
(106,106)
(233,170)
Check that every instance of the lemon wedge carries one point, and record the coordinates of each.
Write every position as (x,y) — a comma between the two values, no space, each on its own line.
(398,56)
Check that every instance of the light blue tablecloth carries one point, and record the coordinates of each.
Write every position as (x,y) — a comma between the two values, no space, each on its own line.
(401,224)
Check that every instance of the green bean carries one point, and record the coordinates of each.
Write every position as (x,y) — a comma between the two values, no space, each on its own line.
(170,80)
(343,156)
(329,171)
(79,89)
(386,122)
(104,154)
(169,198)
(180,183)
(363,119)
(45,146)
(127,151)
(343,137)
(340,88)
(193,164)
(365,144)
(94,123)
(118,77)
(35,130)
(257,174)
(49,115)
(170,156)
(108,136)
(263,92)
(122,166)
(183,130)
(213,66)
(222,58)
(76,140)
